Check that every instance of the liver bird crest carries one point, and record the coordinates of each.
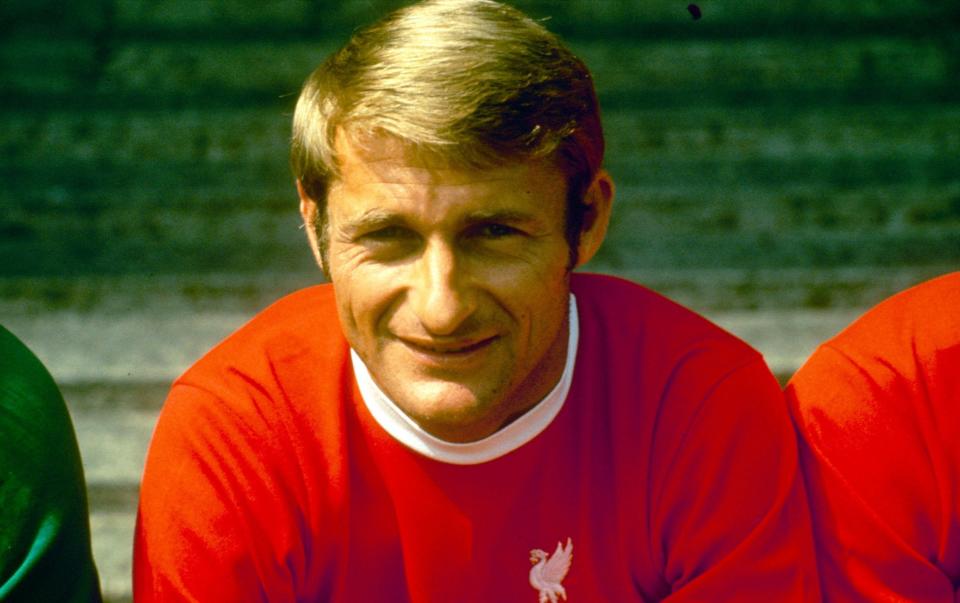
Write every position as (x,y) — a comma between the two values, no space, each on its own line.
(547,573)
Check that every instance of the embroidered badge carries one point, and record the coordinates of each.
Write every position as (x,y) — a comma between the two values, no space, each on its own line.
(548,572)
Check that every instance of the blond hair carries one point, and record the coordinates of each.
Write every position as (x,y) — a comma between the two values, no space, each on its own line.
(474,82)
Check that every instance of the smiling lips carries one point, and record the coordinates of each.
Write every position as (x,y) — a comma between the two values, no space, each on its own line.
(448,350)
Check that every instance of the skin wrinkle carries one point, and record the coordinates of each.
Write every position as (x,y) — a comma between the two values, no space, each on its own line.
(452,284)
(376,152)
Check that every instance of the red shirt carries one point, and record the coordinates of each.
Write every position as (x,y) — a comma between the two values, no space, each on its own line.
(671,467)
(878,408)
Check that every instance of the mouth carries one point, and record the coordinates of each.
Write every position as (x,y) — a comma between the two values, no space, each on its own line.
(448,350)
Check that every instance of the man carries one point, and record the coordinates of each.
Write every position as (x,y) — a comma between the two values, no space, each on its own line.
(446,421)
(44,528)
(878,408)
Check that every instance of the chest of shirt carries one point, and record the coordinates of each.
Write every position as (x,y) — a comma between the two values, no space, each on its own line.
(422,531)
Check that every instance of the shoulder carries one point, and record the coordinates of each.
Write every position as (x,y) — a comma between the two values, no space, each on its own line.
(900,358)
(30,398)
(666,365)
(310,310)
(43,509)
(899,336)
(253,384)
(21,373)
(297,326)
(634,319)
(247,416)
(927,314)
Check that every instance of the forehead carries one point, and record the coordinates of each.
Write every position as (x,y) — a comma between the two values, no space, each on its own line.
(384,170)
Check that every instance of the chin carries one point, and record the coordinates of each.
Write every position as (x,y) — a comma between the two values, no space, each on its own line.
(451,405)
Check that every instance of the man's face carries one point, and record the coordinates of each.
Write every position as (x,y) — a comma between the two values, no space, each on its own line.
(452,285)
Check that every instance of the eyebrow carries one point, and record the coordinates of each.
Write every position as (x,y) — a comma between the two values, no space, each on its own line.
(507,216)
(372,219)
(377,218)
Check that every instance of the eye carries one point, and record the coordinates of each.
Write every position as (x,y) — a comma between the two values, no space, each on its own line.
(388,243)
(495,230)
(388,234)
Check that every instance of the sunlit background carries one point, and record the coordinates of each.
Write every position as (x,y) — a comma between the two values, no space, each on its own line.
(781,165)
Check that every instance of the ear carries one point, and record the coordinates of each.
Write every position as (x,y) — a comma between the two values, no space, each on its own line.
(309,212)
(599,201)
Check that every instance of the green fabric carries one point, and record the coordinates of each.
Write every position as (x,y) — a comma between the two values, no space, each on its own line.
(44,527)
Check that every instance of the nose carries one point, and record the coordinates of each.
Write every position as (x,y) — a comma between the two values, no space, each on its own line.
(439,293)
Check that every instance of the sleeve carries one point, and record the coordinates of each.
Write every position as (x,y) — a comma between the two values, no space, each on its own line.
(45,550)
(217,518)
(732,513)
(873,479)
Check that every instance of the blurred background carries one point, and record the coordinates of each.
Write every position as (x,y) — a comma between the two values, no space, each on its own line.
(781,166)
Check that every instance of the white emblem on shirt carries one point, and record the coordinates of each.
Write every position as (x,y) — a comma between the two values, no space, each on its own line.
(548,572)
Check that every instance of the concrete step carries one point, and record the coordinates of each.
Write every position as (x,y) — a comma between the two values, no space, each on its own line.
(238,20)
(218,140)
(112,538)
(114,370)
(113,422)
(149,348)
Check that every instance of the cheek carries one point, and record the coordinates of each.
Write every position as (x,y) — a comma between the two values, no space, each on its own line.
(544,271)
(364,298)
(539,305)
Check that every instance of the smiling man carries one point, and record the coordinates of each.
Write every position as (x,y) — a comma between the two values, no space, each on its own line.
(457,402)
(452,284)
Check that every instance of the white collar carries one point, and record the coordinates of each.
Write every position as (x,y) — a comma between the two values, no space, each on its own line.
(506,440)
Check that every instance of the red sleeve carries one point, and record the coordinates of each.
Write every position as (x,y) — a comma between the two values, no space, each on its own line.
(876,475)
(214,522)
(733,518)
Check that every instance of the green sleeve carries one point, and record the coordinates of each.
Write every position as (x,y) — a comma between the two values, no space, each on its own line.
(44,526)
